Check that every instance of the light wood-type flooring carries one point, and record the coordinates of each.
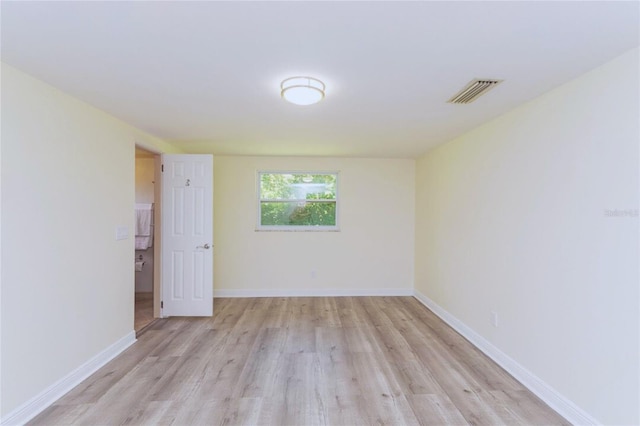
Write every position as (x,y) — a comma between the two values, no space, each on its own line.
(302,361)
(143,314)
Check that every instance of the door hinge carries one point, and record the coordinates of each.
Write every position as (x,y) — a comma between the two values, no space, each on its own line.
(162,167)
(161,304)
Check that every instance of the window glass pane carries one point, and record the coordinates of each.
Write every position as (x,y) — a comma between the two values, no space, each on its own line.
(298,199)
(284,186)
(298,214)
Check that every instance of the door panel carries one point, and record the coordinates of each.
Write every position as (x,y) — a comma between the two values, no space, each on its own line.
(187,246)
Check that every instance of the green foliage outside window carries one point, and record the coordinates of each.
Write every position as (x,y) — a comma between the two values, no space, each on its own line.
(298,199)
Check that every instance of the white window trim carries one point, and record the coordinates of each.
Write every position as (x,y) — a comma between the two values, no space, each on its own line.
(285,228)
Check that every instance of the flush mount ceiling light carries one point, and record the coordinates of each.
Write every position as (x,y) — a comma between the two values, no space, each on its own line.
(302,90)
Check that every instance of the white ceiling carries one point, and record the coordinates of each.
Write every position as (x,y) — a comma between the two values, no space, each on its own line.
(207,74)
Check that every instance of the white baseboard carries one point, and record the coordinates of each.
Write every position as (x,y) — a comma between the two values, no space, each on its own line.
(332,292)
(550,396)
(37,404)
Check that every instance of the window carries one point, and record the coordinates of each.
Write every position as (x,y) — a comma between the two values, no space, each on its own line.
(298,201)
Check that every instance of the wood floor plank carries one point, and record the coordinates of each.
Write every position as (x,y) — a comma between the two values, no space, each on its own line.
(521,407)
(300,338)
(62,415)
(96,385)
(349,411)
(302,361)
(359,339)
(435,410)
(181,380)
(278,314)
(339,381)
(257,378)
(229,313)
(253,315)
(297,398)
(243,411)
(330,339)
(223,369)
(180,338)
(407,369)
(154,413)
(209,412)
(128,394)
(447,355)
(458,384)
(481,367)
(326,312)
(347,313)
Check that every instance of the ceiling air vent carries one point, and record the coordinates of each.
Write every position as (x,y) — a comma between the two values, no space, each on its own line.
(473,90)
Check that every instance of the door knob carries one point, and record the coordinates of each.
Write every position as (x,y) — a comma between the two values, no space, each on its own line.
(206,247)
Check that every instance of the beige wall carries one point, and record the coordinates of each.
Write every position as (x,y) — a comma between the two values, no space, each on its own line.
(145,176)
(511,218)
(67,182)
(373,252)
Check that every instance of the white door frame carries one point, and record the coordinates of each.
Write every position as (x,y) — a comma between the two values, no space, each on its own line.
(157,220)
(157,237)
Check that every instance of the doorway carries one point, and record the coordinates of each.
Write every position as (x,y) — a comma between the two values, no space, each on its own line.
(146,204)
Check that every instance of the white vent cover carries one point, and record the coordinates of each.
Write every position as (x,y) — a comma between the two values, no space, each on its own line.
(473,90)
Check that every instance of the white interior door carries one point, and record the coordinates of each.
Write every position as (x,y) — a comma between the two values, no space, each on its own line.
(187,235)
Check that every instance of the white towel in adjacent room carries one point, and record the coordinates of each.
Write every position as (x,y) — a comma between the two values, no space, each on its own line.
(144,229)
(144,216)
(143,243)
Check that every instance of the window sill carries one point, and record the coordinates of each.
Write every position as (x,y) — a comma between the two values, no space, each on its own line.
(298,229)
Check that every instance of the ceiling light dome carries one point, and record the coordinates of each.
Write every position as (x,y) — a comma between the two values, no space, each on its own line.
(302,90)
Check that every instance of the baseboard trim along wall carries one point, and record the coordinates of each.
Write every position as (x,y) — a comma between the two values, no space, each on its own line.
(334,292)
(37,404)
(550,396)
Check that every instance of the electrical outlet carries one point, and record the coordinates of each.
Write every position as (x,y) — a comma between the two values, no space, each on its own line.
(494,318)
